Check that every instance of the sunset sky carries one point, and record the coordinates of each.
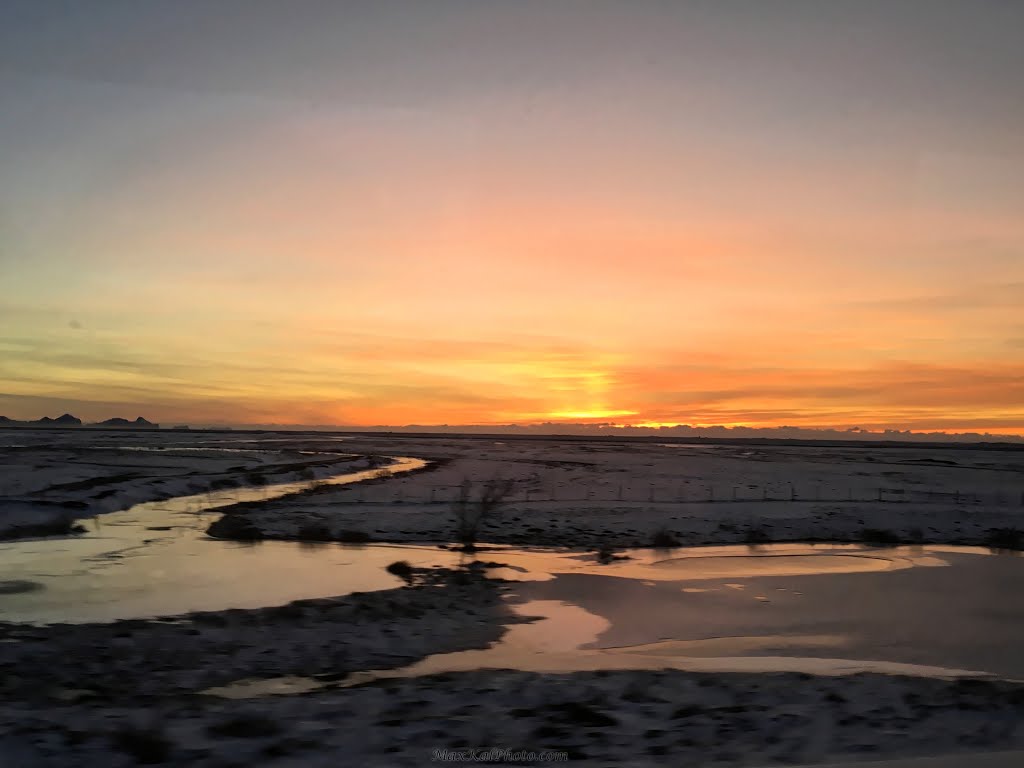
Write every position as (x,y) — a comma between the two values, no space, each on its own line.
(482,211)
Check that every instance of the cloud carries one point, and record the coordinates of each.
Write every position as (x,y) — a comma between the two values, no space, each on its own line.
(982,297)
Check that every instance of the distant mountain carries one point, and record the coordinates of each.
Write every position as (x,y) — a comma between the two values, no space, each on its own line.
(68,421)
(119,423)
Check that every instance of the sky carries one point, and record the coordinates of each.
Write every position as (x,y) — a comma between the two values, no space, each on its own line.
(517,211)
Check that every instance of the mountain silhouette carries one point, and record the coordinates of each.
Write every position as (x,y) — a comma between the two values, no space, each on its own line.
(118,422)
(66,421)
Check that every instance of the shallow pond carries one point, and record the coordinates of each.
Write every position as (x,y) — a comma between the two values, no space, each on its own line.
(820,608)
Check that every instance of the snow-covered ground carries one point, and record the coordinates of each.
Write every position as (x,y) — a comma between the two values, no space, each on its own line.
(132,692)
(51,477)
(143,690)
(589,494)
(566,492)
(624,718)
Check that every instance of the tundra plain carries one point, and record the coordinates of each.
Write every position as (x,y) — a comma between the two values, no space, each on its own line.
(885,628)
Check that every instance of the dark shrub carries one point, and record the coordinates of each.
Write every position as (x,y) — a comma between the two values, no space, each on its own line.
(401,569)
(350,536)
(234,527)
(756,536)
(663,538)
(580,714)
(1005,538)
(148,745)
(879,537)
(315,532)
(245,727)
(472,507)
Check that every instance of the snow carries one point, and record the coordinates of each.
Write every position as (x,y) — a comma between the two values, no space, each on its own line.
(574,493)
(396,673)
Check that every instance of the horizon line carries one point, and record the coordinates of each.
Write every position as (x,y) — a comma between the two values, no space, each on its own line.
(568,428)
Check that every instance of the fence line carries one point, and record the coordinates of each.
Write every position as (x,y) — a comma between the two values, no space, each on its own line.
(707,495)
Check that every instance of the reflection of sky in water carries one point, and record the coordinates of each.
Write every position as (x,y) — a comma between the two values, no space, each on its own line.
(776,606)
(562,637)
(735,561)
(154,559)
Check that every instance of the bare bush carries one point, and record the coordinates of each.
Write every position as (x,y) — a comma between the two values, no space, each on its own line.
(606,554)
(473,506)
(663,538)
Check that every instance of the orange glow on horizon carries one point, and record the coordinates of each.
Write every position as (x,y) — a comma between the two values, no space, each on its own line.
(589,415)
(486,219)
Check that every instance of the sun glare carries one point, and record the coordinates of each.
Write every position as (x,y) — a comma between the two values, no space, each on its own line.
(585,415)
